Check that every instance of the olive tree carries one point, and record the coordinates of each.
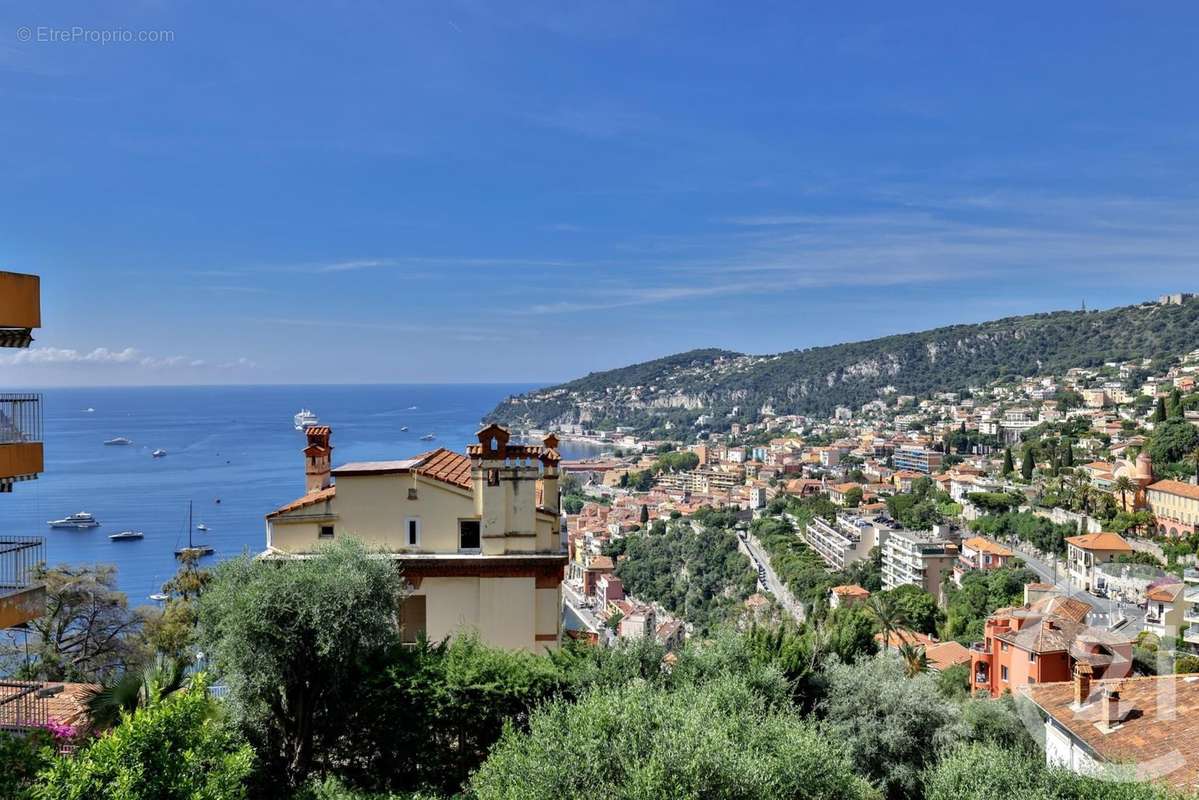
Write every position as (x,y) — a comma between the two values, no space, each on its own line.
(295,640)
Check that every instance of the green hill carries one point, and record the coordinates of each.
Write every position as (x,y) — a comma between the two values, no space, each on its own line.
(719,383)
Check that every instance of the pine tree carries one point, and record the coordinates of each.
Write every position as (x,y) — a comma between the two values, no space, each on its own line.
(1008,466)
(1026,464)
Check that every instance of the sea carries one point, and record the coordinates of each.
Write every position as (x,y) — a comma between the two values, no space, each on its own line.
(233,455)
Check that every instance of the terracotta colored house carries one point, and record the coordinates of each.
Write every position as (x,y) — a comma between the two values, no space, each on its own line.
(1042,643)
(979,553)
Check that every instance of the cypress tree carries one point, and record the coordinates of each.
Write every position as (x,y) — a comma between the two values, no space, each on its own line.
(1159,410)
(1068,454)
(1026,464)
(1008,466)
(1174,407)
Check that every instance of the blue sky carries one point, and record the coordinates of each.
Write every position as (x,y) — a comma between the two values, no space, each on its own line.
(471,191)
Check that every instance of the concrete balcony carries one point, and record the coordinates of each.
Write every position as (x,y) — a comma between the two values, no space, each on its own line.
(22,598)
(1191,634)
(1191,575)
(1190,614)
(20,308)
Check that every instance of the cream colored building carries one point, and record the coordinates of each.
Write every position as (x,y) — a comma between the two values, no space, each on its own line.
(476,536)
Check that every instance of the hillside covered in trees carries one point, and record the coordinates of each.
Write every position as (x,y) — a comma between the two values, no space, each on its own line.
(732,386)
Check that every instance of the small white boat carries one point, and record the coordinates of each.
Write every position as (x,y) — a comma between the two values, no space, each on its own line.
(201,527)
(119,440)
(89,410)
(428,437)
(159,453)
(81,519)
(412,408)
(305,419)
(159,597)
(403,429)
(126,536)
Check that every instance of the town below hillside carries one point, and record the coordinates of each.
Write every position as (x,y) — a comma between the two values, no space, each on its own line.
(685,395)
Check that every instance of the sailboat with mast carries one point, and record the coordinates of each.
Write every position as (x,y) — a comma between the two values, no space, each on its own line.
(193,549)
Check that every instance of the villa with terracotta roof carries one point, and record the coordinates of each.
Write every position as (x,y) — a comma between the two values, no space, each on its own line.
(1084,552)
(1175,506)
(847,595)
(977,553)
(476,536)
(1041,643)
(1142,729)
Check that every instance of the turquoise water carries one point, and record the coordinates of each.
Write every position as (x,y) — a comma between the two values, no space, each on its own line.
(236,443)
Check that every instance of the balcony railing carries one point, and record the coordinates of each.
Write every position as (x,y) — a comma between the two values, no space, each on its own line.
(1191,634)
(19,558)
(1191,575)
(20,418)
(21,597)
(22,706)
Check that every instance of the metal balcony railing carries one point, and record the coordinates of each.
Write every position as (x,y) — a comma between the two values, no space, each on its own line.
(19,559)
(20,418)
(22,706)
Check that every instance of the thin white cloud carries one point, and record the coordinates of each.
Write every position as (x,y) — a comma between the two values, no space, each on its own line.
(103,356)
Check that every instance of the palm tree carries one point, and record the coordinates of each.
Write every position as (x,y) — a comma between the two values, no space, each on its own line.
(1124,485)
(887,613)
(915,660)
(134,690)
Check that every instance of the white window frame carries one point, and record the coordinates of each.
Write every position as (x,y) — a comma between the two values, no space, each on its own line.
(407,531)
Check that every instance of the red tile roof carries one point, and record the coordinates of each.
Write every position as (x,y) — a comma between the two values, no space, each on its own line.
(943,655)
(981,545)
(1176,488)
(1159,742)
(1100,541)
(445,465)
(312,498)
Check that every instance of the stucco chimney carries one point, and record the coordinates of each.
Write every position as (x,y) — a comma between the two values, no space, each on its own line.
(548,484)
(1082,683)
(318,457)
(1110,708)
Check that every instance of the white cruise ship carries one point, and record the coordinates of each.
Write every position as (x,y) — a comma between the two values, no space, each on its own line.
(80,520)
(305,419)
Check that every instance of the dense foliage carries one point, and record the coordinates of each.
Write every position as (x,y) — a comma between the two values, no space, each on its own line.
(968,606)
(295,643)
(989,771)
(817,380)
(717,741)
(178,749)
(21,759)
(1041,533)
(693,569)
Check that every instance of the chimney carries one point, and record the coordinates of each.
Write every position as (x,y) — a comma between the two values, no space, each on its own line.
(318,459)
(548,485)
(1110,708)
(1082,683)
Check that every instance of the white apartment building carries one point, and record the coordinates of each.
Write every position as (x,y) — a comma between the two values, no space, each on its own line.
(918,558)
(849,539)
